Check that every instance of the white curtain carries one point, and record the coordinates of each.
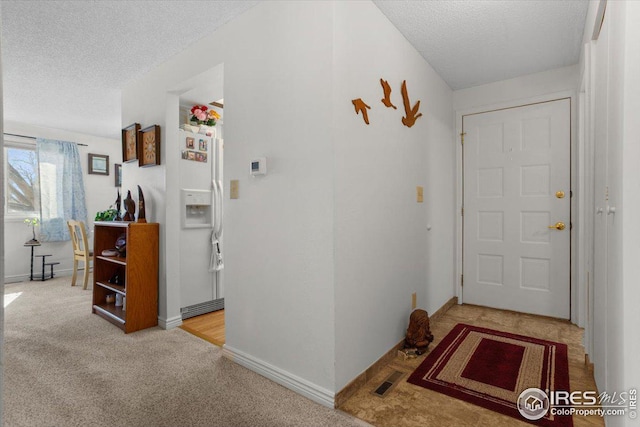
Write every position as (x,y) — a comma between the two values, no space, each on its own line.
(62,195)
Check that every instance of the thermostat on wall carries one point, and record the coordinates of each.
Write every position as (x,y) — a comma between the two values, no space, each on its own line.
(258,166)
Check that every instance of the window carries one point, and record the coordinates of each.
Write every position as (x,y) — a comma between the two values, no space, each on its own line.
(21,169)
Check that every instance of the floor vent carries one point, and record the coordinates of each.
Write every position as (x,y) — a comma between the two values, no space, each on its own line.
(388,384)
(202,308)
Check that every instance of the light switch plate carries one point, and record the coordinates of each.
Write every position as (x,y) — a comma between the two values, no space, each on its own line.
(234,189)
(419,194)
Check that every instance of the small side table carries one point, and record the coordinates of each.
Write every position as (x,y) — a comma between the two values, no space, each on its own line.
(32,244)
(45,264)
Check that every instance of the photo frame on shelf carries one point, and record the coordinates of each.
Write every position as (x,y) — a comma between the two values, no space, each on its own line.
(130,143)
(149,146)
(117,171)
(98,164)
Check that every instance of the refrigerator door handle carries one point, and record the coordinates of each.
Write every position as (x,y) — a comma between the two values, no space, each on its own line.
(214,213)
(218,221)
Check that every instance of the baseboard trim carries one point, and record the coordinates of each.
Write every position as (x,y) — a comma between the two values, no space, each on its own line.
(172,322)
(588,363)
(292,382)
(17,278)
(442,310)
(354,385)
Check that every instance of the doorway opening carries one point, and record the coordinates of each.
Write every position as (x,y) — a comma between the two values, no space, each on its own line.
(200,149)
(516,224)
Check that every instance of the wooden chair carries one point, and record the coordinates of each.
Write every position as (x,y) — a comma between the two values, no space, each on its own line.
(81,250)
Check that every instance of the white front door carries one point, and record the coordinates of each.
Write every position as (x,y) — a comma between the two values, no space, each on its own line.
(515,161)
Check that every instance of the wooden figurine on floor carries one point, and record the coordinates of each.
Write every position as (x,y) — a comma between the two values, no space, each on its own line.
(418,334)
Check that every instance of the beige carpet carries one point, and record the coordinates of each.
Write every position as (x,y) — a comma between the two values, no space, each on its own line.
(64,366)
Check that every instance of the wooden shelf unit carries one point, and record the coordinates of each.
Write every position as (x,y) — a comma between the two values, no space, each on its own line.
(139,269)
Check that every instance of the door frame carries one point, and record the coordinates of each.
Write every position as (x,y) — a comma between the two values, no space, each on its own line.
(577,290)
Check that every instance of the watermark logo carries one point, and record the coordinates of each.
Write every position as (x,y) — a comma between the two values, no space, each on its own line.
(533,404)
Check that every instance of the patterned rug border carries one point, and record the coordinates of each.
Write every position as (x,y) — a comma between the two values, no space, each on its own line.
(486,401)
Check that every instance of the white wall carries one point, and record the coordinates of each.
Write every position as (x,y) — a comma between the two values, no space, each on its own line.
(517,89)
(383,251)
(100,194)
(279,234)
(290,72)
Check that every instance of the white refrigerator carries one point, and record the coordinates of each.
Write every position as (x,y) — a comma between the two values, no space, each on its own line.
(201,256)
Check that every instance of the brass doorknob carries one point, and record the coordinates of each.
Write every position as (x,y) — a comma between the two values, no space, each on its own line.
(558,226)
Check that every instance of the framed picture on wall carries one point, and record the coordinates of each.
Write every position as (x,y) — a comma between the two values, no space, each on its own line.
(149,146)
(117,171)
(98,164)
(130,143)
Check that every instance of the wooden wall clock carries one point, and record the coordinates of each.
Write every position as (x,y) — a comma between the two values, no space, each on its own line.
(130,143)
(149,146)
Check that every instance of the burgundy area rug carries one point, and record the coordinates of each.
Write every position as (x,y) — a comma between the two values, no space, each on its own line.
(491,368)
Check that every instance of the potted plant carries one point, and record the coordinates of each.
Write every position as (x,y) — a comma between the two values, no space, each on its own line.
(32,222)
(204,117)
(108,215)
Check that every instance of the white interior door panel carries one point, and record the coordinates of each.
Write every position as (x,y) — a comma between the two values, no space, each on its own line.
(517,186)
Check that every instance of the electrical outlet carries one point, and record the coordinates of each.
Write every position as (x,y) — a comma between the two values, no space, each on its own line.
(414,299)
(419,194)
(234,187)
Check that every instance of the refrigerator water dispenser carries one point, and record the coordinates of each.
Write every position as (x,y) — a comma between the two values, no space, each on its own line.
(196,208)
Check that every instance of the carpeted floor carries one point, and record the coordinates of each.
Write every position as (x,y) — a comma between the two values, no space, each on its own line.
(64,366)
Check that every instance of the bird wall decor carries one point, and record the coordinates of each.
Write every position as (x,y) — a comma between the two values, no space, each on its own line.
(411,114)
(361,107)
(386,89)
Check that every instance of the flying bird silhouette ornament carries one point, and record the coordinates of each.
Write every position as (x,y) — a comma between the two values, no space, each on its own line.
(411,114)
(361,107)
(387,94)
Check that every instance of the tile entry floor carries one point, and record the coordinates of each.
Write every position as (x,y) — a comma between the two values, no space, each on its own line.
(408,405)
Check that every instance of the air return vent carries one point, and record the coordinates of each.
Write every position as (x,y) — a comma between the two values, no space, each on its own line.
(202,308)
(388,384)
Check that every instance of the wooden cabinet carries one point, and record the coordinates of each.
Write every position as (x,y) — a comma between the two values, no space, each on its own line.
(137,274)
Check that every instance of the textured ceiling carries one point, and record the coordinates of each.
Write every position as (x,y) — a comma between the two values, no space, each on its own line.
(64,62)
(473,42)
